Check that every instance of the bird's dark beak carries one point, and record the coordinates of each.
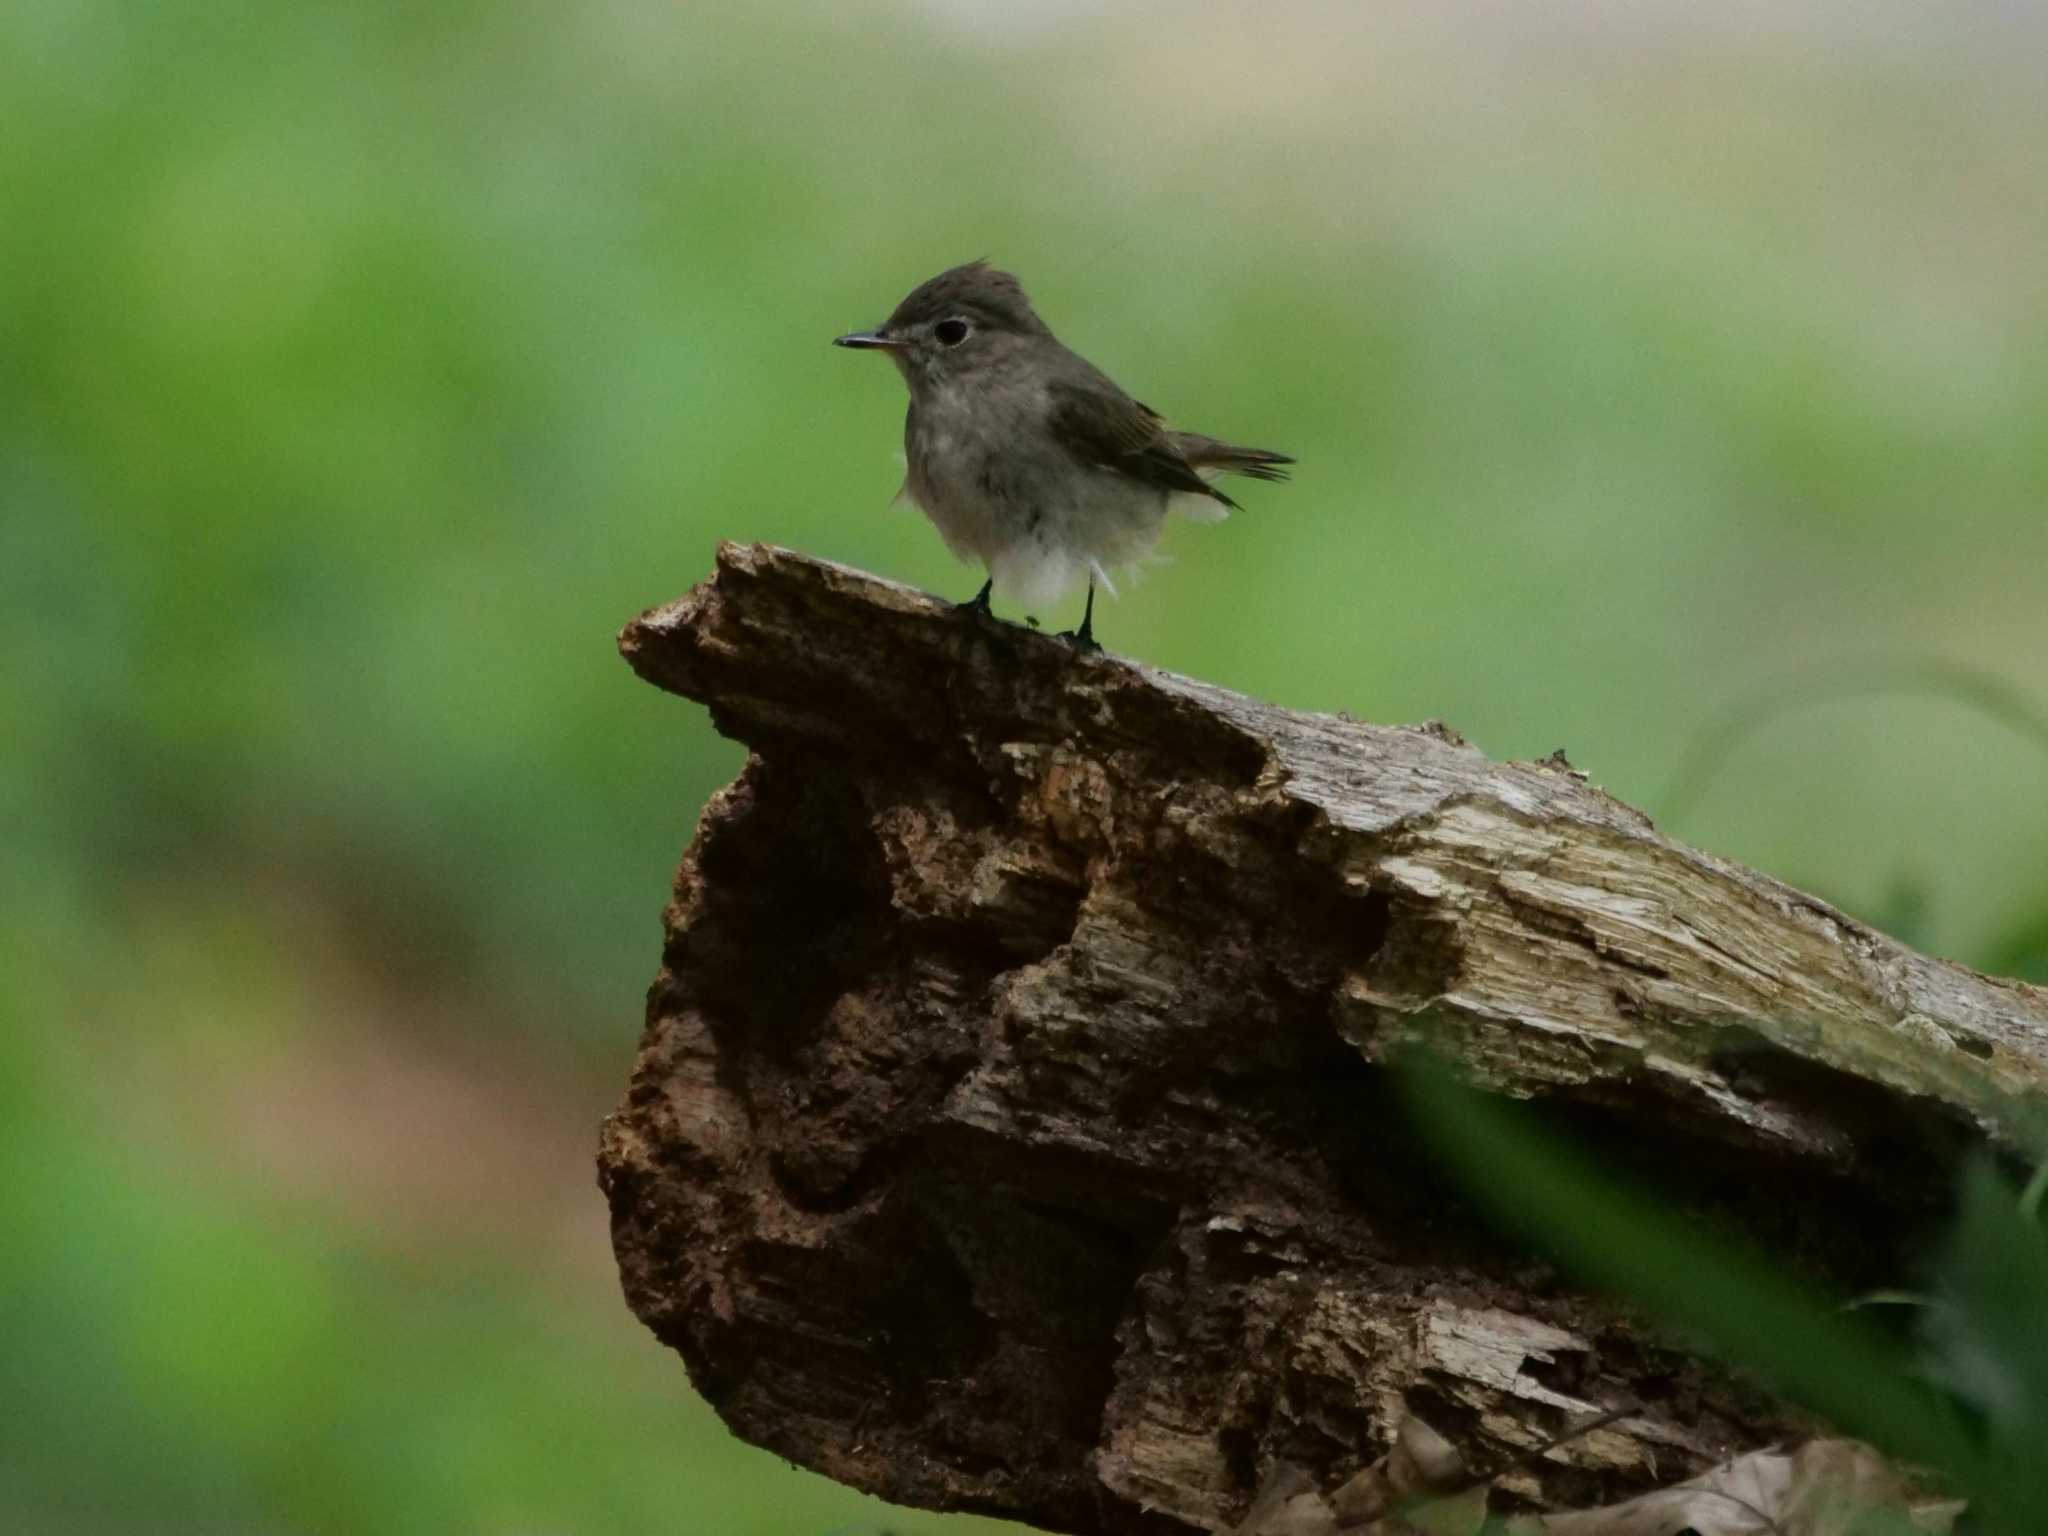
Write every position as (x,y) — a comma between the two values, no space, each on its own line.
(866,339)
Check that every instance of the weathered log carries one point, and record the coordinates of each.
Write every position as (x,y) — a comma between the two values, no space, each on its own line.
(1011,1129)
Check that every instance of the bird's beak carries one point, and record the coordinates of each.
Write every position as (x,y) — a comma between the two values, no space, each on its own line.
(866,339)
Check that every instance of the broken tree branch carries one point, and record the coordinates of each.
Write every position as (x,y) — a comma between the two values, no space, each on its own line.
(1011,1129)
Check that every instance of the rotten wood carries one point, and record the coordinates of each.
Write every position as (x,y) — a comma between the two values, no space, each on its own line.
(1011,1130)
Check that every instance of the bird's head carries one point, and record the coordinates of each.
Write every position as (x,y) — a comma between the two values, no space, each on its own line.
(966,318)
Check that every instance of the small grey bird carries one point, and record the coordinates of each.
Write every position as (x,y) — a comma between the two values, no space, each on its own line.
(1026,456)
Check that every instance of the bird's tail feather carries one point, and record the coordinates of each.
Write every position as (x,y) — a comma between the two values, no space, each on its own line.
(1217,457)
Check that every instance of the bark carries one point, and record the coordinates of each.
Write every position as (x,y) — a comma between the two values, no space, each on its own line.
(1012,1128)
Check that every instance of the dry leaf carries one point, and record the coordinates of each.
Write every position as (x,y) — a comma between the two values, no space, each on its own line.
(1287,1504)
(1388,1498)
(1823,1489)
(1421,1461)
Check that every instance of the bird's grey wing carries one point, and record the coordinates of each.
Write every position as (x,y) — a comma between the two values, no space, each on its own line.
(1105,427)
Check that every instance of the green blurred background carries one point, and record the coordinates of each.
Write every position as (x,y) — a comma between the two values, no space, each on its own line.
(363,368)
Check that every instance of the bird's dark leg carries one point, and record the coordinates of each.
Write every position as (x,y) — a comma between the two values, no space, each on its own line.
(978,604)
(1084,638)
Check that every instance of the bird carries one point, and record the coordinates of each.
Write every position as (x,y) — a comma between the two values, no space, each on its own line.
(1030,459)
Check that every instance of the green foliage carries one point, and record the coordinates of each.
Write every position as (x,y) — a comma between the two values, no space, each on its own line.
(1970,1400)
(1985,1339)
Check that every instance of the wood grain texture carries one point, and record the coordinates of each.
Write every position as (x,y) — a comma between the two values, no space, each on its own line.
(1012,1131)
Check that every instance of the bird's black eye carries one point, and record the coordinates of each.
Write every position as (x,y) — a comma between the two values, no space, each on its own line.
(950,333)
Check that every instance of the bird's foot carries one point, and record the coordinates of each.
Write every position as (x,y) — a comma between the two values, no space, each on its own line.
(978,604)
(1083,639)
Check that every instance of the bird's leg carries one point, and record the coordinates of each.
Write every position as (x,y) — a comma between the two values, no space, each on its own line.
(1084,638)
(978,604)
